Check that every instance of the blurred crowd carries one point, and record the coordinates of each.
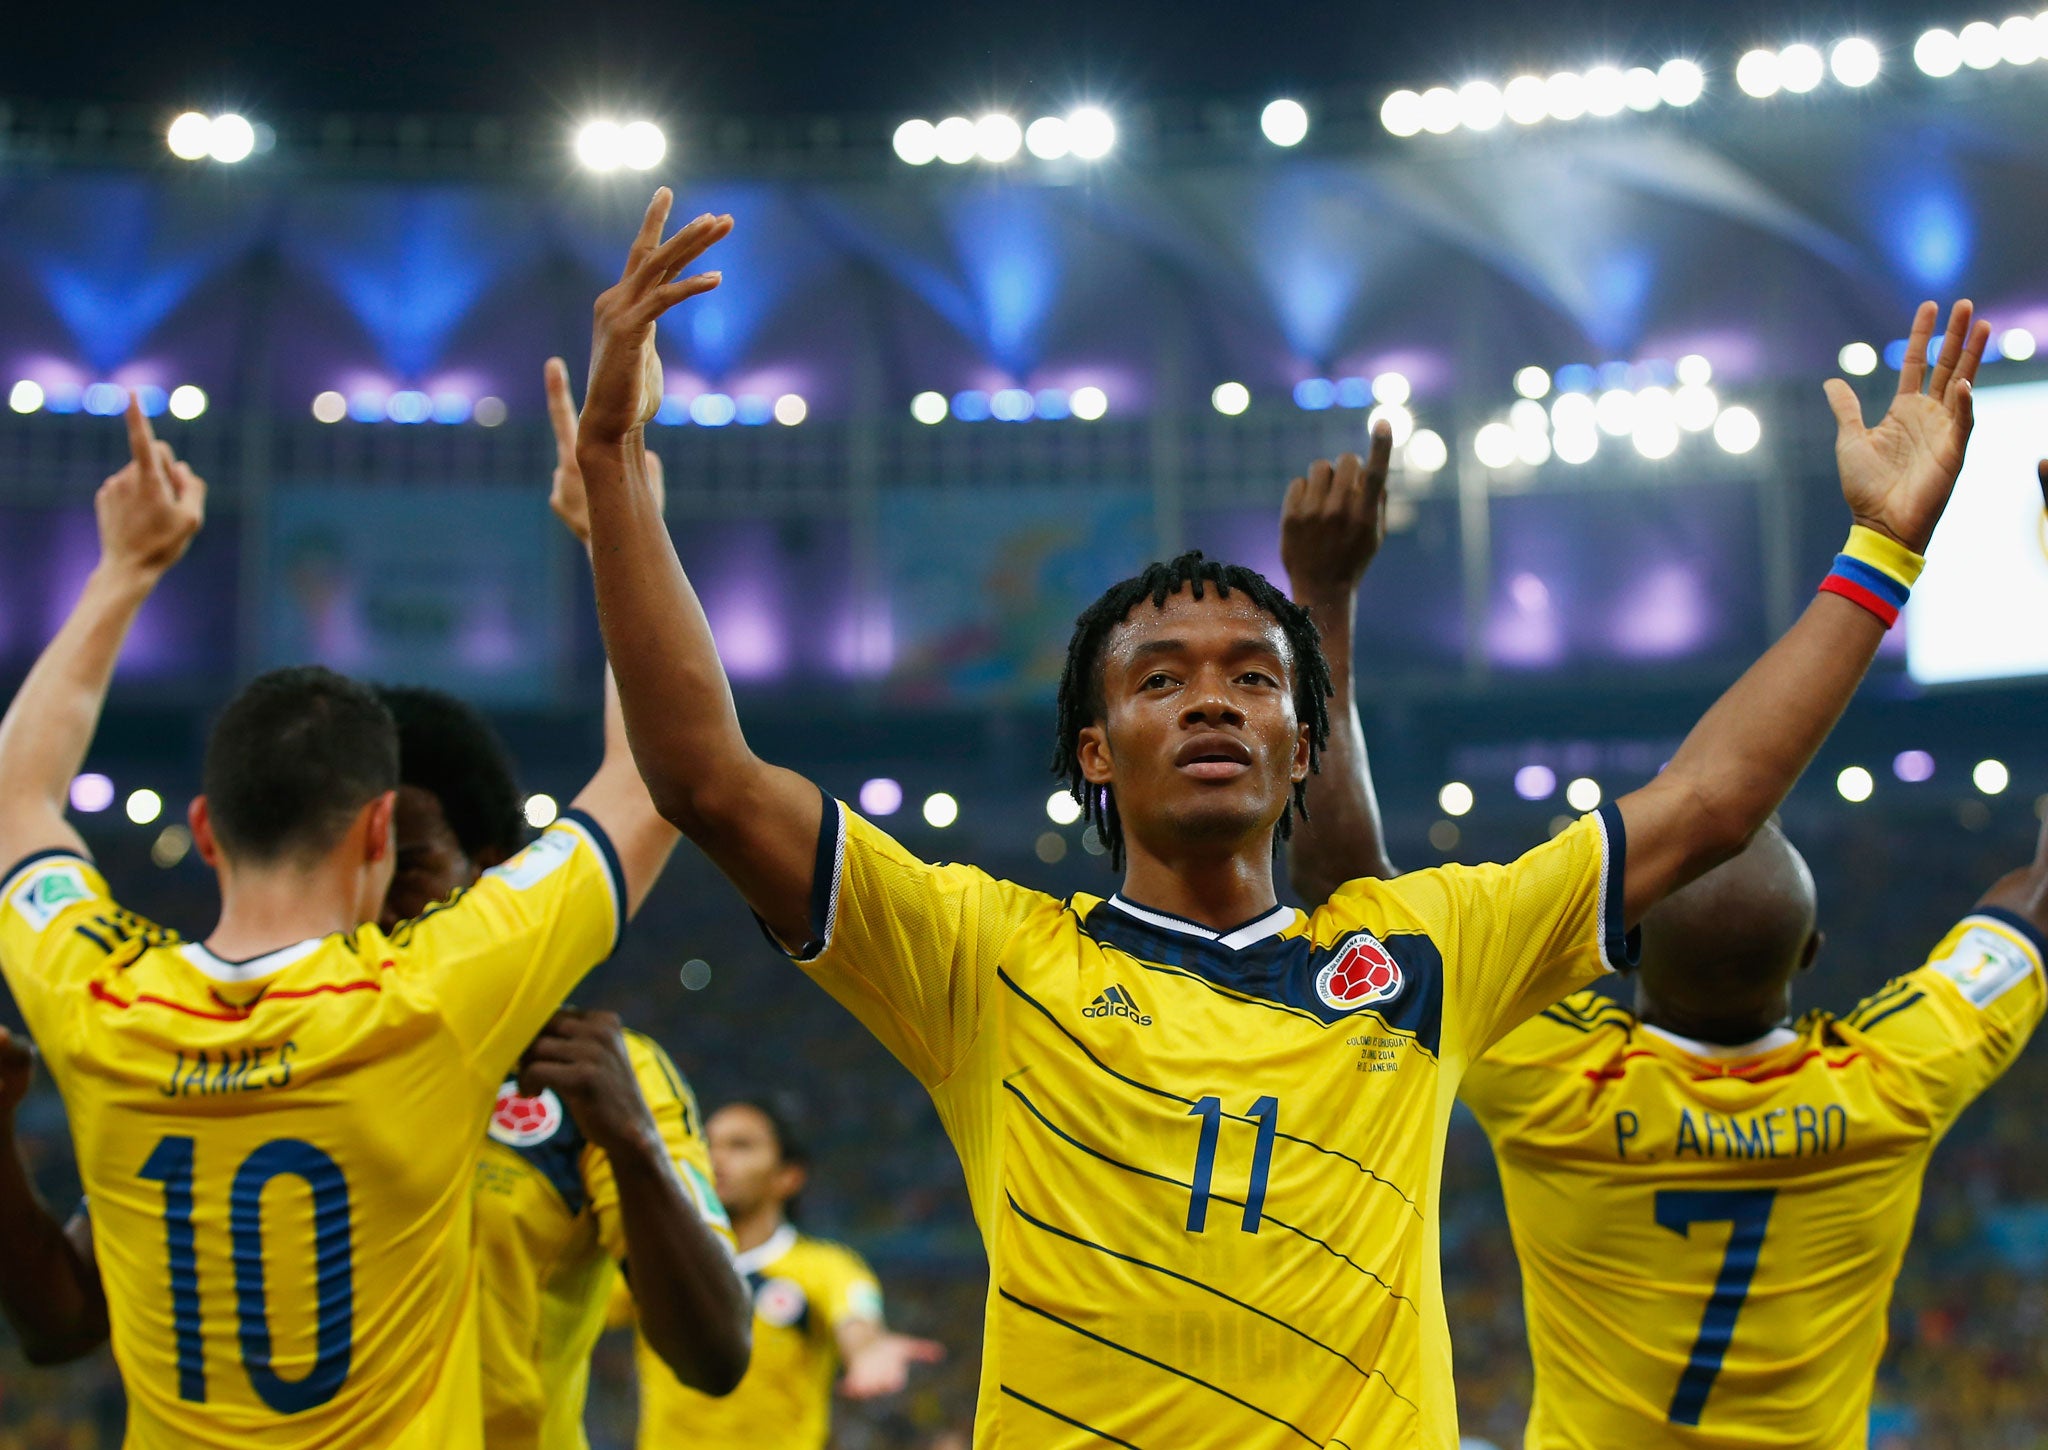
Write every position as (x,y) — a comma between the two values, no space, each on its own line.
(1968,1362)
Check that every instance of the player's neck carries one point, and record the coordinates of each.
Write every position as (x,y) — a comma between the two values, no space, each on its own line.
(1218,891)
(1720,1029)
(751,1230)
(265,909)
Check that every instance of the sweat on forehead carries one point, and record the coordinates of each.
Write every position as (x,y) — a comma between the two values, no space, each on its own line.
(1171,626)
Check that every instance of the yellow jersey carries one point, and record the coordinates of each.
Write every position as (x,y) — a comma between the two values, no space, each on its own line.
(804,1289)
(280,1153)
(550,1242)
(1709,1236)
(1204,1164)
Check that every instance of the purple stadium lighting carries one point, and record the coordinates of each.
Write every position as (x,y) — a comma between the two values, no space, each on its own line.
(1913,766)
(91,793)
(1535,782)
(878,797)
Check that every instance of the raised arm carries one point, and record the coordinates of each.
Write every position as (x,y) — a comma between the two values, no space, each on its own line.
(1331,526)
(1742,758)
(616,798)
(757,822)
(148,513)
(49,1280)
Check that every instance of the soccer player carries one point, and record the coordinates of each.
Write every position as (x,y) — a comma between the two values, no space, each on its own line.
(1710,1200)
(1205,1173)
(278,1127)
(817,1308)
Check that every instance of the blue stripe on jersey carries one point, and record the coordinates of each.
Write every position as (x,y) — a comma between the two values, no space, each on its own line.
(1157,1364)
(1621,947)
(1102,1157)
(1145,1087)
(2018,923)
(1039,1223)
(612,868)
(1282,970)
(559,1159)
(1066,1419)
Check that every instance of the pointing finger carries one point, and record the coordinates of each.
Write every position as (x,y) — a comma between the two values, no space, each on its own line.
(141,437)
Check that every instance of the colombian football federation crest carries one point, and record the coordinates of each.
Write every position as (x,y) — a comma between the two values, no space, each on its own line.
(519,1122)
(780,1302)
(1362,972)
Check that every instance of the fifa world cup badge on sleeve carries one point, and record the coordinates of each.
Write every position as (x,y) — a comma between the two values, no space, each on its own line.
(1985,965)
(47,892)
(1361,973)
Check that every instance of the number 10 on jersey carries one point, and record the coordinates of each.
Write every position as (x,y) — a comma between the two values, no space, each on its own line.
(1266,1112)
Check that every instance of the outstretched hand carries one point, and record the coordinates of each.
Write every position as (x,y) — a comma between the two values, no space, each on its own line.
(566,497)
(1335,519)
(625,372)
(150,510)
(882,1365)
(1897,477)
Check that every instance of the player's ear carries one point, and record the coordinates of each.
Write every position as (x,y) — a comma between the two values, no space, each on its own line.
(201,821)
(790,1181)
(1810,953)
(377,826)
(1301,755)
(1091,748)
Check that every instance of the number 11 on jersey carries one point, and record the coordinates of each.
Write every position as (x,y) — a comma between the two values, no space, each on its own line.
(1210,1110)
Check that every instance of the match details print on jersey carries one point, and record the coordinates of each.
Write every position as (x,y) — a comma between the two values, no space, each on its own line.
(1709,1237)
(280,1153)
(1205,1162)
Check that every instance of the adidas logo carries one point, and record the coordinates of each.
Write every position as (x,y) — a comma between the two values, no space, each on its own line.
(1116,1002)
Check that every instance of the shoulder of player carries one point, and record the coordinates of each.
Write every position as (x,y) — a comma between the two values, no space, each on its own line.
(656,1070)
(1982,957)
(827,1255)
(1585,1022)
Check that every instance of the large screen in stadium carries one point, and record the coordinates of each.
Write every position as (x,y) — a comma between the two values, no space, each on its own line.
(1980,612)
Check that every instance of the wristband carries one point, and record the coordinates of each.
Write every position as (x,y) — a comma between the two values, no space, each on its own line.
(1875,572)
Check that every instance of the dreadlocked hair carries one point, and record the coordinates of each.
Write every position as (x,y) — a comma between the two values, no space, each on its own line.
(1081,701)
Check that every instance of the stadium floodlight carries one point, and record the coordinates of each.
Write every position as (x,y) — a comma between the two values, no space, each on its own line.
(1048,139)
(712,410)
(1400,423)
(917,142)
(1980,45)
(489,413)
(26,396)
(929,408)
(997,137)
(146,805)
(330,407)
(1564,96)
(1391,387)
(1575,445)
(1757,74)
(1855,784)
(1800,68)
(2019,41)
(881,796)
(1426,452)
(1606,91)
(1694,407)
(600,146)
(1857,359)
(541,810)
(1693,370)
(91,793)
(1532,382)
(1230,399)
(940,810)
(1938,53)
(1914,767)
(1480,106)
(1062,809)
(1574,412)
(1529,416)
(1681,82)
(1855,62)
(642,145)
(1496,445)
(1536,782)
(190,136)
(1532,448)
(1640,91)
(1088,404)
(791,409)
(1582,794)
(1091,131)
(1656,438)
(230,139)
(2017,344)
(186,402)
(1401,113)
(955,140)
(1455,799)
(1284,122)
(1616,412)
(1009,405)
(1737,430)
(1440,110)
(1526,100)
(1991,777)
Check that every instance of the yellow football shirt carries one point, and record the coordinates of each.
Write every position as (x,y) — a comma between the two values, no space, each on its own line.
(549,1242)
(280,1153)
(804,1289)
(1709,1237)
(1204,1164)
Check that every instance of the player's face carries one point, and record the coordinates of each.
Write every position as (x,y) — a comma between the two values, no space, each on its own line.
(430,861)
(1199,736)
(746,1163)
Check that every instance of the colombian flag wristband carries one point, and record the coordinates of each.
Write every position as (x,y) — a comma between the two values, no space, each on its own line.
(1875,572)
